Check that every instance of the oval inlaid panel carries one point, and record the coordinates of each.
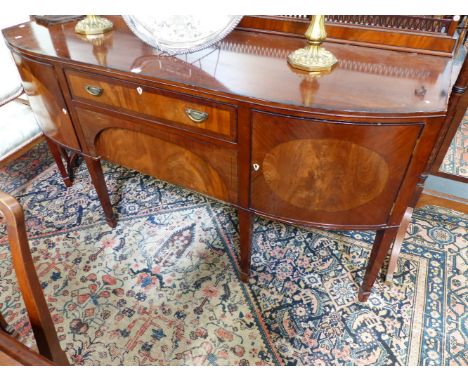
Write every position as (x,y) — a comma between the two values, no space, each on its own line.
(324,174)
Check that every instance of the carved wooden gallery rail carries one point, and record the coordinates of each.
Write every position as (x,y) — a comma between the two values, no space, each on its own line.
(345,150)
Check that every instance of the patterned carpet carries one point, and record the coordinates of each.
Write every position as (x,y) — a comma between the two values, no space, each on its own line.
(163,287)
(456,159)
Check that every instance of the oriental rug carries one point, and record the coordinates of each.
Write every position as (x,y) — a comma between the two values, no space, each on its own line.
(456,159)
(163,287)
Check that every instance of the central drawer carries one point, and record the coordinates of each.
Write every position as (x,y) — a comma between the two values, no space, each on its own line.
(182,111)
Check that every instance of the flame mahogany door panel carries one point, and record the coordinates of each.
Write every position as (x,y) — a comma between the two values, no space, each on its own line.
(162,152)
(328,172)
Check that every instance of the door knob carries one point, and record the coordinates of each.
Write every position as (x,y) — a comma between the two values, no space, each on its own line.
(256,166)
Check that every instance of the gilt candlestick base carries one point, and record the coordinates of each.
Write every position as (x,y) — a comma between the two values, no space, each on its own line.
(313,58)
(93,25)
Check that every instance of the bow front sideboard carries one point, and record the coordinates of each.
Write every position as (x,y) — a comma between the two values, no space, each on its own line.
(343,150)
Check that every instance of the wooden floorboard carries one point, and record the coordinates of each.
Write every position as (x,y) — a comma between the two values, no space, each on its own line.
(435,198)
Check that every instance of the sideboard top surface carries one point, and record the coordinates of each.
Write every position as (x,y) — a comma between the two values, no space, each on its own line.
(253,67)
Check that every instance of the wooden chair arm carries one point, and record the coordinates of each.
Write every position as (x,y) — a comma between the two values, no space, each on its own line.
(36,306)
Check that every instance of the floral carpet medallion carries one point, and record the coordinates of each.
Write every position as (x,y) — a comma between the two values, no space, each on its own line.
(163,287)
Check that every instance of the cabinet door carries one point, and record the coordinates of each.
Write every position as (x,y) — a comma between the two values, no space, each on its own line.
(165,153)
(46,100)
(330,173)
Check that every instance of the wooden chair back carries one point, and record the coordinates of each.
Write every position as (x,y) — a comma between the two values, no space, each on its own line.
(30,287)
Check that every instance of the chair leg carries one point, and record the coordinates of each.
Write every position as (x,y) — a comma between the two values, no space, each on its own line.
(57,153)
(383,240)
(395,254)
(36,305)
(245,236)
(97,177)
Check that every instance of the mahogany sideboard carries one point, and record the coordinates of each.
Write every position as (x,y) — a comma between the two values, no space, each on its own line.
(344,150)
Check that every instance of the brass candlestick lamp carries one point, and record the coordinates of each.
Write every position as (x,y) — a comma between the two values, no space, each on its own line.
(93,24)
(313,58)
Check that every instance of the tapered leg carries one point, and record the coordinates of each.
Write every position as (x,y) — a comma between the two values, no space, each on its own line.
(56,152)
(97,177)
(382,243)
(245,236)
(397,245)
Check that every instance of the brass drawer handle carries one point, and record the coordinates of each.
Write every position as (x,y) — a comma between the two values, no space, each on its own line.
(94,90)
(196,115)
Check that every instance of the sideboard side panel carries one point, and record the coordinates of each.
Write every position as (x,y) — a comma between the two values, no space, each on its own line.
(46,100)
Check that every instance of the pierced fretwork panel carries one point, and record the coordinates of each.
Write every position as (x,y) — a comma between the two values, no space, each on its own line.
(426,24)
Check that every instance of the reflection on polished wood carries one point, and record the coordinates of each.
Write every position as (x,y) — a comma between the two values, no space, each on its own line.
(248,75)
(345,150)
(427,35)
